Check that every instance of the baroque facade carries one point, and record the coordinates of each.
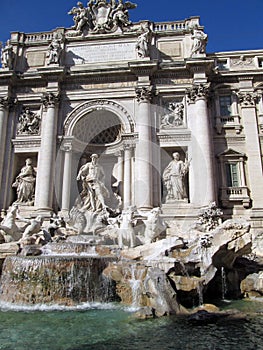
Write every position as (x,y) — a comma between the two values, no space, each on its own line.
(174,127)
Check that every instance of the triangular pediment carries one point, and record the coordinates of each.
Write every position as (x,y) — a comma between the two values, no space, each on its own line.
(231,153)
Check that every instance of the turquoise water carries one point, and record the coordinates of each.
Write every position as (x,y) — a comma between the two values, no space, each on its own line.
(113,328)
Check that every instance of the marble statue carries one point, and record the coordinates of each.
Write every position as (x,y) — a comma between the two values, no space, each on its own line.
(154,225)
(8,229)
(28,123)
(100,17)
(199,41)
(7,55)
(142,45)
(80,17)
(173,178)
(126,232)
(94,192)
(54,51)
(174,117)
(34,226)
(25,184)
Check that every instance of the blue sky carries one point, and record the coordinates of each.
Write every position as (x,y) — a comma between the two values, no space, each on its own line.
(230,24)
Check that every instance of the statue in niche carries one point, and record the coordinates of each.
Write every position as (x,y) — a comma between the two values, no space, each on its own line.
(54,50)
(142,45)
(94,191)
(174,117)
(174,178)
(199,41)
(7,55)
(28,123)
(25,184)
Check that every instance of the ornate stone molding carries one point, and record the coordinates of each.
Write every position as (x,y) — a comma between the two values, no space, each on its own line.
(197,92)
(50,99)
(248,99)
(144,94)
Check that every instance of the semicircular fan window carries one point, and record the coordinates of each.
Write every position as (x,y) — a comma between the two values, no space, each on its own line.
(98,127)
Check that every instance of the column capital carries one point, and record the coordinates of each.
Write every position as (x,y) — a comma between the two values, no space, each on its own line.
(128,146)
(144,93)
(7,102)
(67,147)
(248,98)
(197,92)
(50,99)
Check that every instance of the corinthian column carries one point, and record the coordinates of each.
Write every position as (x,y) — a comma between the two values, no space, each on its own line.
(143,165)
(4,104)
(47,154)
(127,186)
(201,173)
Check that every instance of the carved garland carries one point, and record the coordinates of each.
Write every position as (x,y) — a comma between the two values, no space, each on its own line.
(91,106)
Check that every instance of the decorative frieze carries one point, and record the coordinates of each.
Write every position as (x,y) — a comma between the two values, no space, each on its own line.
(197,91)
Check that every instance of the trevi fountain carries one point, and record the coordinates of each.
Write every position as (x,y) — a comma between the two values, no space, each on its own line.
(129,219)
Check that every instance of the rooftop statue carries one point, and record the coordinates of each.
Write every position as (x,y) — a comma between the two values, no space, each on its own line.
(199,41)
(7,55)
(101,16)
(54,50)
(143,41)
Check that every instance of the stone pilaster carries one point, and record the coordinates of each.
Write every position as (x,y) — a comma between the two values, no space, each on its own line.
(127,182)
(201,172)
(143,166)
(67,176)
(248,100)
(47,154)
(5,103)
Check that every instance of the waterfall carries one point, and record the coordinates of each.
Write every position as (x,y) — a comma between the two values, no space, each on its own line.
(66,280)
(135,281)
(200,294)
(223,282)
